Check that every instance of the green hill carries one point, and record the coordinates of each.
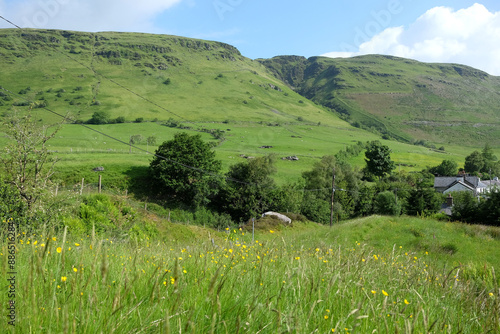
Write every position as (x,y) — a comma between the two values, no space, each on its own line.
(152,80)
(401,98)
(188,80)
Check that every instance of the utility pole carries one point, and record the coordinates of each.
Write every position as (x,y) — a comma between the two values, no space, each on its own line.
(333,197)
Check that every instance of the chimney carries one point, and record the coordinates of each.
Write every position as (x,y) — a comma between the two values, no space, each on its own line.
(449,200)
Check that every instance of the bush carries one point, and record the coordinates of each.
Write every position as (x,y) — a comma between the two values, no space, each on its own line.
(120,119)
(99,117)
(385,204)
(215,220)
(151,140)
(139,120)
(136,139)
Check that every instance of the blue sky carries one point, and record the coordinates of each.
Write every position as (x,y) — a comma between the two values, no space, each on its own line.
(458,31)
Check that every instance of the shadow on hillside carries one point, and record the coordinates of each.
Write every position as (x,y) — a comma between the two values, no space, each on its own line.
(141,183)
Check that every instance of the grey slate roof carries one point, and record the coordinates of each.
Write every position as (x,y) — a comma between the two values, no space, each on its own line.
(445,181)
(448,181)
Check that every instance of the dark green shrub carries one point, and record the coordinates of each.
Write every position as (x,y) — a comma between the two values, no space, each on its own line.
(385,204)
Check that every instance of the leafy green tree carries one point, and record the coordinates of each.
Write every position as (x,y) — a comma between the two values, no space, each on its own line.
(446,168)
(27,167)
(386,204)
(378,159)
(489,159)
(466,207)
(490,210)
(474,162)
(423,200)
(364,205)
(136,139)
(186,170)
(151,140)
(319,183)
(99,117)
(488,154)
(248,188)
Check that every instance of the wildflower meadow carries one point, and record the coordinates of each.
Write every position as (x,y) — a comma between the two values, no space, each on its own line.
(233,282)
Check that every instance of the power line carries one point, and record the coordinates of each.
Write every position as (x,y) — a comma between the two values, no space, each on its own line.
(109,79)
(151,102)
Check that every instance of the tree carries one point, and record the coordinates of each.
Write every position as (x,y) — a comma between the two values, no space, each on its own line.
(423,200)
(378,159)
(136,139)
(28,165)
(490,210)
(386,204)
(185,169)
(446,168)
(466,207)
(319,182)
(151,140)
(488,154)
(99,117)
(474,162)
(248,189)
(489,159)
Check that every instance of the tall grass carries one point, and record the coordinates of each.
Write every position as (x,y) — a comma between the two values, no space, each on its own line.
(228,284)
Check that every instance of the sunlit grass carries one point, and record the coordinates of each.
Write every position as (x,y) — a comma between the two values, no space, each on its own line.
(227,283)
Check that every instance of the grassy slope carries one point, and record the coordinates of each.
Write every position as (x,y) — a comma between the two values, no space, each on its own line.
(442,103)
(302,279)
(197,96)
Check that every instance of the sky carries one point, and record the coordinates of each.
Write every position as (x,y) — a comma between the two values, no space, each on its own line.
(459,31)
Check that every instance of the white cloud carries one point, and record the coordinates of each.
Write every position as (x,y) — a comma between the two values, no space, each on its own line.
(468,36)
(87,15)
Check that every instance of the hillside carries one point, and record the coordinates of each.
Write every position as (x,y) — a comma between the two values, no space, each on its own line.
(150,79)
(401,98)
(188,80)
(377,274)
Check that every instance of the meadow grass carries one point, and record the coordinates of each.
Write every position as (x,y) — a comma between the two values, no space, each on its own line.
(301,279)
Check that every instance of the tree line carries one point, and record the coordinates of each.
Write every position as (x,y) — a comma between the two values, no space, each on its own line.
(186,174)
(185,171)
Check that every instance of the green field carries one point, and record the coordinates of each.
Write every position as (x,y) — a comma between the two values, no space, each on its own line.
(80,149)
(211,86)
(376,274)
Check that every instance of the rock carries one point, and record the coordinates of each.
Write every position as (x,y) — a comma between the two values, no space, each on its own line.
(98,169)
(291,158)
(281,217)
(265,146)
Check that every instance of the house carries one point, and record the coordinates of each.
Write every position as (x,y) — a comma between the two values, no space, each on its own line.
(447,184)
(492,185)
(447,208)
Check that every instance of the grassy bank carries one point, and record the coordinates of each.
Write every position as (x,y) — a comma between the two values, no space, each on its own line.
(306,278)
